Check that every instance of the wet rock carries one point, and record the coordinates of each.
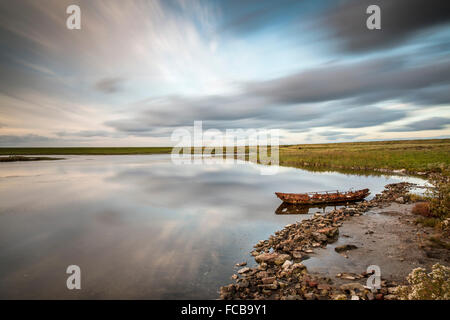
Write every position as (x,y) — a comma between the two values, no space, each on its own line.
(345,247)
(242,264)
(243,270)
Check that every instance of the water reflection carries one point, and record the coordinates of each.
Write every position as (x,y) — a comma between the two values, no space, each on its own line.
(138,226)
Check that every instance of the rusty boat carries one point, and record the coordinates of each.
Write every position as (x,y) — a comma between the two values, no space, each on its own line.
(321,197)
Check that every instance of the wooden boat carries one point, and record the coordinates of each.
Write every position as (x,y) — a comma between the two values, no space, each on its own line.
(323,197)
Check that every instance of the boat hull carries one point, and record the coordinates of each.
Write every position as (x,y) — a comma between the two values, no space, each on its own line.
(321,198)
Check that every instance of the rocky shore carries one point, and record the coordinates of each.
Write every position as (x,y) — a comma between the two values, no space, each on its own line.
(280,273)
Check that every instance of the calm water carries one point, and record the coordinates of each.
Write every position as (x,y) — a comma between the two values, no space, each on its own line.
(140,227)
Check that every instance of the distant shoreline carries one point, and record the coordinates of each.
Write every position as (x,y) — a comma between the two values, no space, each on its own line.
(23,158)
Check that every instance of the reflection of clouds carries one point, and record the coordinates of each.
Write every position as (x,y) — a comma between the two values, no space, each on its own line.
(138,226)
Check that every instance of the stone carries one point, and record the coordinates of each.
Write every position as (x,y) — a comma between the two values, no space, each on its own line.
(234,276)
(345,247)
(298,267)
(243,270)
(323,286)
(297,255)
(269,286)
(355,297)
(400,200)
(242,264)
(370,296)
(340,297)
(287,264)
(272,258)
(268,280)
(309,296)
(352,286)
(330,232)
(390,297)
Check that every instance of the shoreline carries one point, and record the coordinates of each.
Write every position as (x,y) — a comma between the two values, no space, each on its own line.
(284,270)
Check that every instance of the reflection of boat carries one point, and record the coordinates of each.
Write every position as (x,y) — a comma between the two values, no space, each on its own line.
(289,208)
(323,197)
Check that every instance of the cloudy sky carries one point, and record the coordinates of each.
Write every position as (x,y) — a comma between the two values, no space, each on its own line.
(137,70)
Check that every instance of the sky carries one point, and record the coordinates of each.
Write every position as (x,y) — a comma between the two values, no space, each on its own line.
(138,70)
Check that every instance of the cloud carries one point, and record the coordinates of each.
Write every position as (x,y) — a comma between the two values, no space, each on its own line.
(109,85)
(378,79)
(400,20)
(434,123)
(15,140)
(85,133)
(343,95)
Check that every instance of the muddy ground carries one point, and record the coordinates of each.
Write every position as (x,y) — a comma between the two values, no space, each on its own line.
(387,237)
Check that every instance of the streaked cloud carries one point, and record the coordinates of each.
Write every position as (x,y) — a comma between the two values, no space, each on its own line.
(139,69)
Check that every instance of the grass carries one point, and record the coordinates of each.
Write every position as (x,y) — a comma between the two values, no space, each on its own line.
(411,155)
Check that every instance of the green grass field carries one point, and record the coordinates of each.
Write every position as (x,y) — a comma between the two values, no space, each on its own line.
(412,155)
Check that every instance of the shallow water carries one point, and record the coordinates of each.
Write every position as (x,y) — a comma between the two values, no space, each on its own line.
(141,227)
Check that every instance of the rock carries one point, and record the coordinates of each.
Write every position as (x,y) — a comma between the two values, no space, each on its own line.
(355,297)
(345,247)
(272,258)
(400,200)
(323,286)
(287,264)
(340,297)
(298,267)
(309,296)
(297,255)
(269,286)
(390,297)
(319,237)
(370,296)
(268,280)
(242,264)
(352,286)
(243,270)
(379,296)
(330,232)
(234,276)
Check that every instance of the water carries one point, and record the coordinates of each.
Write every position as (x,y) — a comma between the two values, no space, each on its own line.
(141,227)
